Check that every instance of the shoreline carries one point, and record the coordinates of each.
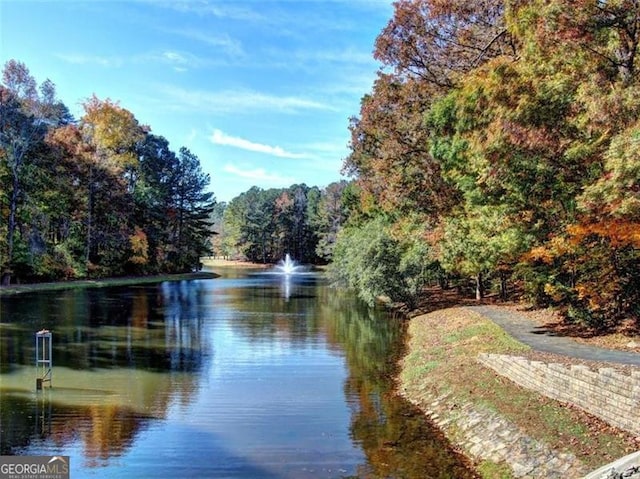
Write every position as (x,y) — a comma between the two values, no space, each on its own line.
(231,263)
(103,282)
(207,262)
(131,280)
(505,430)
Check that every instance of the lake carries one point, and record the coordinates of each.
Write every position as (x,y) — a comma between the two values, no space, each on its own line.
(251,375)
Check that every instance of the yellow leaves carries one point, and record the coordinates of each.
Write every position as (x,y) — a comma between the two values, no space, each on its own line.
(556,247)
(113,131)
(600,292)
(368,200)
(139,247)
(560,246)
(540,253)
(554,292)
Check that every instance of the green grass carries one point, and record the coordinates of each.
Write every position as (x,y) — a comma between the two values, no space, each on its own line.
(467,333)
(491,470)
(418,369)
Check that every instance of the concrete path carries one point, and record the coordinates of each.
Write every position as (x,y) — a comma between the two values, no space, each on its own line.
(626,467)
(540,339)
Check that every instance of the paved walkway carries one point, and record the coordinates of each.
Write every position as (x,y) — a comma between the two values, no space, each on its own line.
(540,339)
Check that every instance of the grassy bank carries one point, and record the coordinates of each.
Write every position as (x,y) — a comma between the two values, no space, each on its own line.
(99,283)
(441,359)
(229,263)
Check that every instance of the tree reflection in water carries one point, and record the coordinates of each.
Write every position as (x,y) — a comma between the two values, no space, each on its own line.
(396,437)
(122,357)
(128,358)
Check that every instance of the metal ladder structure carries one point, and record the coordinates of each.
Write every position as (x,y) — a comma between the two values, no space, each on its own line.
(44,358)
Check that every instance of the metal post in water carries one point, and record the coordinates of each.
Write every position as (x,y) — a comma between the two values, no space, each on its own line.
(44,358)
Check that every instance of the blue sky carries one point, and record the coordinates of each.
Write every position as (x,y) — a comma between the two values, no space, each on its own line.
(261,91)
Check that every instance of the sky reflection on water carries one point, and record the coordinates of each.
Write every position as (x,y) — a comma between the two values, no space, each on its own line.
(242,376)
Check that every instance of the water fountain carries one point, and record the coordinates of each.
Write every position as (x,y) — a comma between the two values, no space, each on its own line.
(287,266)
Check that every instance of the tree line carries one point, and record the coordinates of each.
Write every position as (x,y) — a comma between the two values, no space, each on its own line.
(264,225)
(93,197)
(501,144)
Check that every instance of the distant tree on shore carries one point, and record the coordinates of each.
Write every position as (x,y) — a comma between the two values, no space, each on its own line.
(100,196)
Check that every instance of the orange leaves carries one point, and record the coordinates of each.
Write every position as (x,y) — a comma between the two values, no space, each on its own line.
(68,142)
(591,268)
(619,233)
(284,203)
(612,233)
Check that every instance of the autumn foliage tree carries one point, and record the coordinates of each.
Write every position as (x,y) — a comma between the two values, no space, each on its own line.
(590,262)
(91,197)
(265,225)
(438,41)
(389,150)
(112,134)
(26,114)
(511,128)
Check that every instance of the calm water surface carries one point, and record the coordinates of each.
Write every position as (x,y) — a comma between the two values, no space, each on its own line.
(246,376)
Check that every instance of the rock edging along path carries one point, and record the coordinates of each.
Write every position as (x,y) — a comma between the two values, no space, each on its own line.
(540,339)
(485,435)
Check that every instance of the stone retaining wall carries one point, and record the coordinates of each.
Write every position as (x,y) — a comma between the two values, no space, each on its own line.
(608,394)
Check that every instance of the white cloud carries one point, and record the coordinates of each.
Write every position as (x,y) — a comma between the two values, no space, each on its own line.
(174,57)
(226,10)
(81,59)
(259,175)
(223,41)
(220,138)
(177,59)
(180,61)
(235,101)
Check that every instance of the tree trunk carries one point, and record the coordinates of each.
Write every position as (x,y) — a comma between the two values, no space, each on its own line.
(479,287)
(503,287)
